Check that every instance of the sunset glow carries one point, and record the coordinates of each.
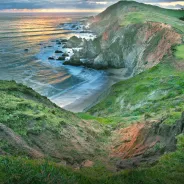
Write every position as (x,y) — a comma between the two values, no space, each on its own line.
(73,6)
(52,10)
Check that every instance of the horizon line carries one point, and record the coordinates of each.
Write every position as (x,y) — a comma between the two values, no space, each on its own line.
(61,10)
(57,10)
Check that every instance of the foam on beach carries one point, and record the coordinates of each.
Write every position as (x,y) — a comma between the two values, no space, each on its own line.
(90,81)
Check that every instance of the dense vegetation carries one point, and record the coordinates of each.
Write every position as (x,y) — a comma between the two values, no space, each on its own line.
(20,105)
(169,170)
(31,125)
(155,93)
(59,135)
(180,52)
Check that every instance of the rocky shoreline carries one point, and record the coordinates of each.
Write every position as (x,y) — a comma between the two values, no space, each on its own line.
(93,82)
(135,47)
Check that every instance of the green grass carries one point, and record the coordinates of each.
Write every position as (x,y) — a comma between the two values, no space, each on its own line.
(180,52)
(34,118)
(169,170)
(86,116)
(154,94)
(134,18)
(145,16)
(21,107)
(131,12)
(25,170)
(157,92)
(113,121)
(172,117)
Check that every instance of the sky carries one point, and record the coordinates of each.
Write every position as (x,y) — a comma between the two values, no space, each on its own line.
(74,5)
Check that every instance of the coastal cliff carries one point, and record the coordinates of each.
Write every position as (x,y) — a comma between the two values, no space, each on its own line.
(129,37)
(134,135)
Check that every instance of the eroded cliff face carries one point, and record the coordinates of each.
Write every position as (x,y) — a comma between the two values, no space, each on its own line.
(144,142)
(135,47)
(128,36)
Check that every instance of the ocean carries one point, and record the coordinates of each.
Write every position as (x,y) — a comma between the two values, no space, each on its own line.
(26,43)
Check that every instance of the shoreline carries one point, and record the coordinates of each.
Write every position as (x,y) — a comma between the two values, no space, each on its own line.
(89,96)
(83,99)
(83,105)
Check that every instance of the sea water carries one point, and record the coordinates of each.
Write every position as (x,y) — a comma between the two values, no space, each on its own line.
(26,43)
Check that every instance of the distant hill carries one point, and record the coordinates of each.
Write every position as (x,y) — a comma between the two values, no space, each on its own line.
(131,35)
(138,128)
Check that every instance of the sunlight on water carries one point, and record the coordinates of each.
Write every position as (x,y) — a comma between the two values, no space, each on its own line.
(37,33)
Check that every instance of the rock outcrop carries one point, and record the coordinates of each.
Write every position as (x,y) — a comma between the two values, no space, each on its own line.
(144,143)
(123,42)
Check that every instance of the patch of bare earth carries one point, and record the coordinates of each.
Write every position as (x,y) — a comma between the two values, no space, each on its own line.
(143,143)
(179,64)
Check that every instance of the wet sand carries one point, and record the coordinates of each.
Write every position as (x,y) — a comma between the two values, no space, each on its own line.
(85,104)
(82,105)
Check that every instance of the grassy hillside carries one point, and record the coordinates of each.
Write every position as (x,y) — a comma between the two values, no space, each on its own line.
(155,93)
(145,16)
(131,12)
(20,105)
(31,125)
(142,116)
(169,170)
(143,7)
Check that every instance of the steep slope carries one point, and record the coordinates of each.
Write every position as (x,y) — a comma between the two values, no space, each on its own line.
(169,170)
(30,125)
(143,143)
(131,12)
(154,93)
(133,129)
(143,112)
(131,37)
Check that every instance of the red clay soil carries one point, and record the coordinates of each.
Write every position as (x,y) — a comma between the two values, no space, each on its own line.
(169,38)
(132,141)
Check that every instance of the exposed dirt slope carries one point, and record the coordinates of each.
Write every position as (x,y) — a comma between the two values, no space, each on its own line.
(144,143)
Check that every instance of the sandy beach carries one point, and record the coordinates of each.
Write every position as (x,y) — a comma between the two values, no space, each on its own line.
(83,104)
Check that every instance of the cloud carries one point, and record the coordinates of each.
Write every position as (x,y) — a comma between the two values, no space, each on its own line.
(73,4)
(30,4)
